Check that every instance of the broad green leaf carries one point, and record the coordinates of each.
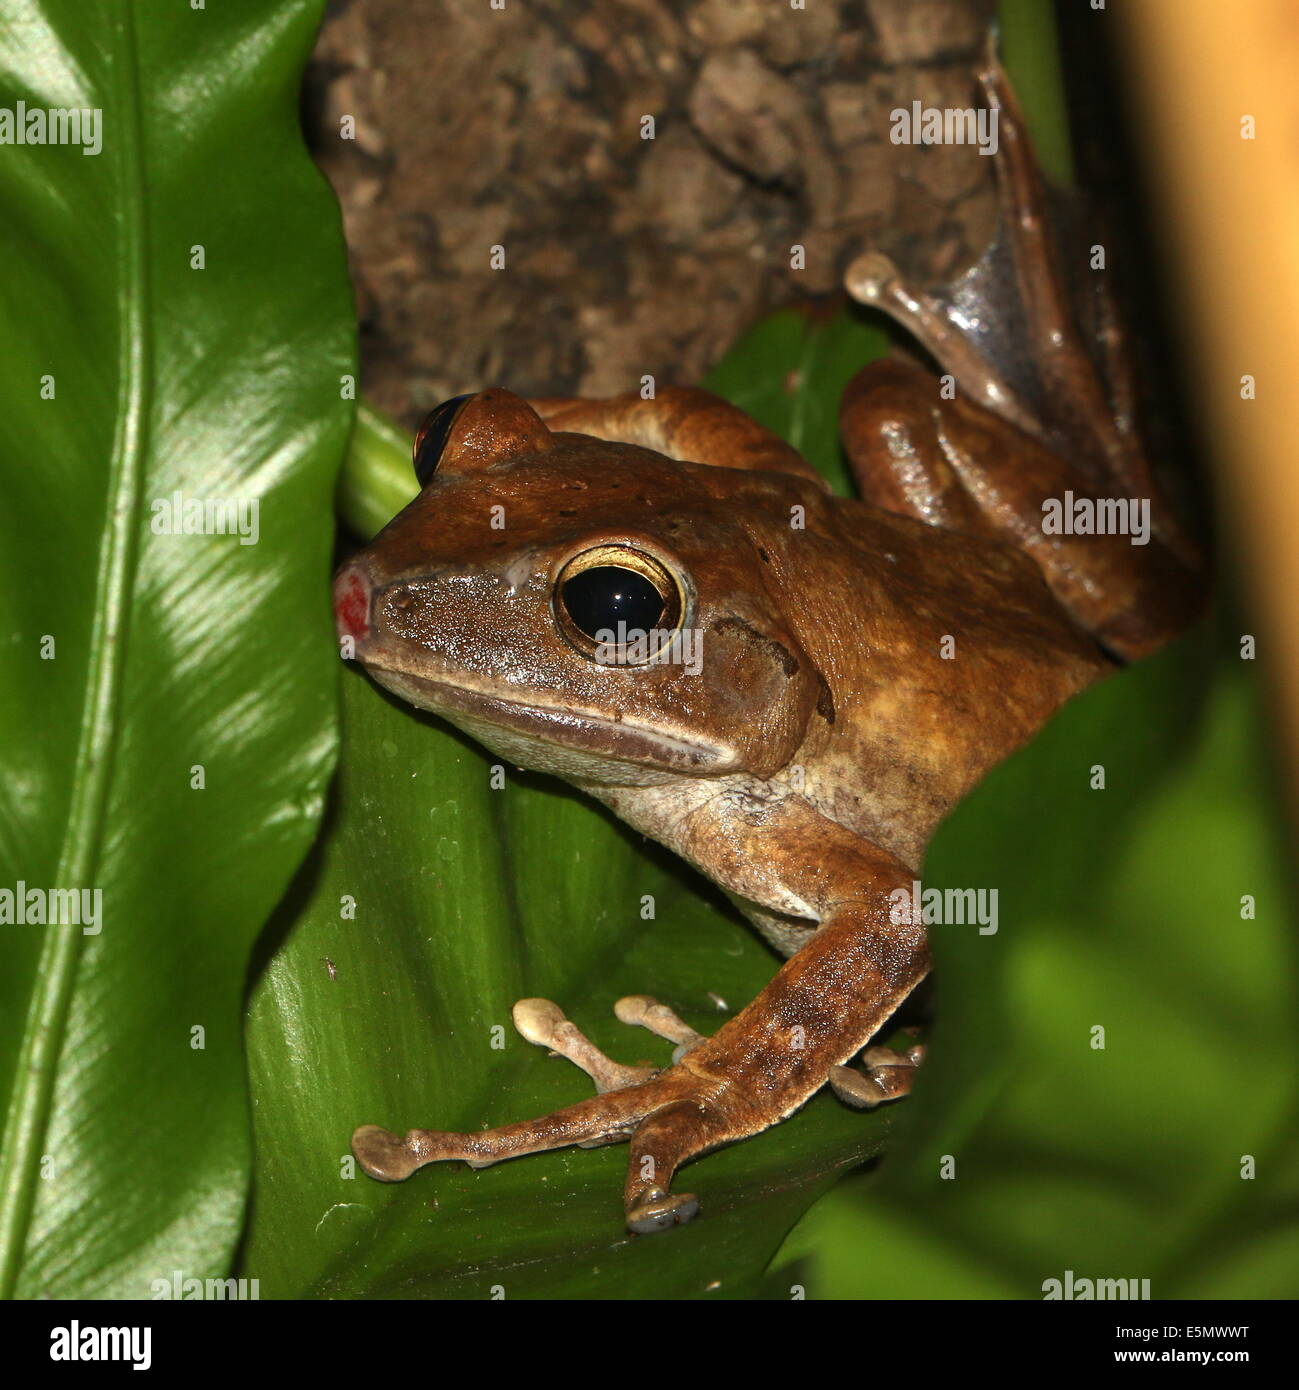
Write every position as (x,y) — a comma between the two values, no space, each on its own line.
(789,372)
(434,903)
(1128,1160)
(134,657)
(388,1016)
(1122,909)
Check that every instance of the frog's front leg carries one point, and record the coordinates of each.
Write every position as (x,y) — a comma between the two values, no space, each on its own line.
(822,1007)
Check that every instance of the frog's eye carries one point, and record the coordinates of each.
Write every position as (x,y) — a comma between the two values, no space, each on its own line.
(612,599)
(606,595)
(433,435)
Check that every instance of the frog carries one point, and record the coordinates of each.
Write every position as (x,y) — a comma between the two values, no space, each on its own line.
(860,664)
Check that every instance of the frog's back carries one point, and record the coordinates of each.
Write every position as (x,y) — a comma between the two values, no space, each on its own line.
(941,652)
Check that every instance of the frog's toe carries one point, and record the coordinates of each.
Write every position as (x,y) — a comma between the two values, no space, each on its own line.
(642,1011)
(660,1211)
(697,1116)
(663,1115)
(544,1024)
(383,1155)
(888,1076)
(871,278)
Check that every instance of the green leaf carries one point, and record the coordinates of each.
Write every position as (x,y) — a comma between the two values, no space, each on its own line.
(433,904)
(467,899)
(377,479)
(789,372)
(1120,908)
(135,656)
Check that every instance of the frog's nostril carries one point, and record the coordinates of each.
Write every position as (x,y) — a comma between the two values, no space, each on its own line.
(352,603)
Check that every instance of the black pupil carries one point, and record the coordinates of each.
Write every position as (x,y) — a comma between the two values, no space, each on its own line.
(600,598)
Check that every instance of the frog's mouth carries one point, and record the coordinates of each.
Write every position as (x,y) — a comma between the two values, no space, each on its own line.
(549,738)
(520,729)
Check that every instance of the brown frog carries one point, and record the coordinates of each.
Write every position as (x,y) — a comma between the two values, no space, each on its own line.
(660,601)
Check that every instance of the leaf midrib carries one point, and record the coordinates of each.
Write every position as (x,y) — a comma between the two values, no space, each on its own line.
(27,1120)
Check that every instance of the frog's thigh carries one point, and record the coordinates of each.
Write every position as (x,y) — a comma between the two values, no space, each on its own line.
(958,466)
(950,462)
(893,422)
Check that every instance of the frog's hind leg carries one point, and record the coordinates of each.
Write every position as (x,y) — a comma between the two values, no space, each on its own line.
(892,426)
(955,465)
(988,461)
(1075,394)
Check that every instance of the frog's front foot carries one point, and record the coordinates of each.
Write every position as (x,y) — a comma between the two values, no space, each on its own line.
(670,1115)
(888,1076)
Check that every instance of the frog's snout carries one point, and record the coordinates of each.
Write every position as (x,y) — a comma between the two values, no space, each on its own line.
(352,593)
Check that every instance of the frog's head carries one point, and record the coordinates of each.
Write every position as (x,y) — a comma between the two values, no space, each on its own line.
(582,607)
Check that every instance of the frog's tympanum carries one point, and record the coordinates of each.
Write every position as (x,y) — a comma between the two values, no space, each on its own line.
(788,689)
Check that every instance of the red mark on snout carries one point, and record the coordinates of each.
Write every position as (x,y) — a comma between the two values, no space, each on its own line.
(352,604)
